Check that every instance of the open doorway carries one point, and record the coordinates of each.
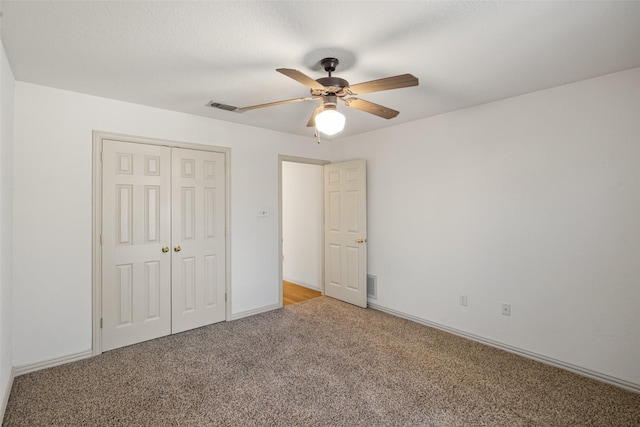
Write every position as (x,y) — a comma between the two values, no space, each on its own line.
(301,202)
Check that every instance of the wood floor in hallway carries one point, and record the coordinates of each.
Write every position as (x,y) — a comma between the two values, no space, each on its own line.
(292,293)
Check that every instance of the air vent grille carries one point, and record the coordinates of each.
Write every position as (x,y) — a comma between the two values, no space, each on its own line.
(372,287)
(220,106)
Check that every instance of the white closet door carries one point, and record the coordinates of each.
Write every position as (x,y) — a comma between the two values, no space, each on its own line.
(345,204)
(198,236)
(136,278)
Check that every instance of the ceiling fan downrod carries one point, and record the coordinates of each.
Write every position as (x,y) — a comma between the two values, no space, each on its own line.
(329,64)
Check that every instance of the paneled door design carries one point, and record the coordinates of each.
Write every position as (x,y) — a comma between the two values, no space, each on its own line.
(136,235)
(198,236)
(345,204)
(163,241)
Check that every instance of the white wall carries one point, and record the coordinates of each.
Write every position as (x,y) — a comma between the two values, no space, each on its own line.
(6,218)
(302,220)
(533,200)
(52,205)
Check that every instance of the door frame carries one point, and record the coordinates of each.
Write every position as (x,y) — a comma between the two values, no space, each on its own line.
(96,246)
(283,158)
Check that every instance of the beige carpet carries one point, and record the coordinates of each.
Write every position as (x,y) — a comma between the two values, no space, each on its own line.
(317,363)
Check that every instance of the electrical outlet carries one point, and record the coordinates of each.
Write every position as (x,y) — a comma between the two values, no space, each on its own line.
(506,309)
(463,300)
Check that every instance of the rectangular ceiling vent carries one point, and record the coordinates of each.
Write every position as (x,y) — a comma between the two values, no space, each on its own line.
(222,106)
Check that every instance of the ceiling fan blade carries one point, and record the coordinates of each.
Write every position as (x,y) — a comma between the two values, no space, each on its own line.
(370,107)
(300,77)
(271,104)
(312,120)
(396,82)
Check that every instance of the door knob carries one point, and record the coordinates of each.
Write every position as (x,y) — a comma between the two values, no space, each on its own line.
(165,249)
(177,249)
(361,240)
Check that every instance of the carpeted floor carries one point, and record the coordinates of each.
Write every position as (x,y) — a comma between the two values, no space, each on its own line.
(317,363)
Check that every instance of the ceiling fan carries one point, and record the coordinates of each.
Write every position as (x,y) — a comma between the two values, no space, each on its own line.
(326,117)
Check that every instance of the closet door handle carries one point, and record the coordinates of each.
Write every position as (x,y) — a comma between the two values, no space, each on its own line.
(177,249)
(165,249)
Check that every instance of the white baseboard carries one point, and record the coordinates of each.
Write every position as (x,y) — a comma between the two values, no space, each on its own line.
(524,353)
(255,311)
(6,393)
(25,369)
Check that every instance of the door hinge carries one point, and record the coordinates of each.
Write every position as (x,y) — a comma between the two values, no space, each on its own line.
(101,323)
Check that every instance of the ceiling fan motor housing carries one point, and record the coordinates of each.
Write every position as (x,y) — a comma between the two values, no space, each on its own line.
(333,82)
(333,85)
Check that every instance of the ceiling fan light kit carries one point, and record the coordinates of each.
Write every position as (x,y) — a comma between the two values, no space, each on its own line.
(326,118)
(329,121)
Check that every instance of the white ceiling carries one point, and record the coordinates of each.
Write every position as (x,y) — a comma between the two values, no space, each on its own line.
(179,55)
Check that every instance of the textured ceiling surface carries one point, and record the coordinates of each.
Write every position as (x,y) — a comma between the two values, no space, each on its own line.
(179,55)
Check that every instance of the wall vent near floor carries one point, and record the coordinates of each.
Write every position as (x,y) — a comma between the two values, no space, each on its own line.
(372,287)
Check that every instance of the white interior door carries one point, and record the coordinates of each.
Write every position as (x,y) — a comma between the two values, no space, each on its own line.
(136,272)
(198,230)
(345,204)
